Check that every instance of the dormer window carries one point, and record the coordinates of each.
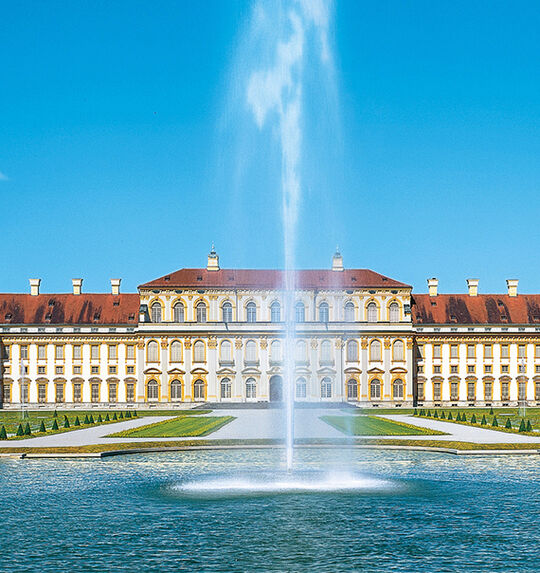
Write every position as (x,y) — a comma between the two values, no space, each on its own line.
(9,316)
(96,315)
(116,303)
(51,302)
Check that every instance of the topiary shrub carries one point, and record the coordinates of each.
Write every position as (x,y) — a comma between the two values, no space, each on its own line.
(443,415)
(522,426)
(99,419)
(66,422)
(27,430)
(107,419)
(458,417)
(450,417)
(529,426)
(494,424)
(435,414)
(415,413)
(3,433)
(54,425)
(484,421)
(86,420)
(42,427)
(428,414)
(491,411)
(121,416)
(135,413)
(128,414)
(508,424)
(91,419)
(463,417)
(77,421)
(473,419)
(114,416)
(55,414)
(20,431)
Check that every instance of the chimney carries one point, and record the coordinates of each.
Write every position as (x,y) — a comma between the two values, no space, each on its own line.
(77,286)
(473,287)
(512,286)
(337,261)
(213,260)
(34,286)
(432,286)
(115,286)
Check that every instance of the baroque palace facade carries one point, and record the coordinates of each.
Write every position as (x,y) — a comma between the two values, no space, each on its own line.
(217,335)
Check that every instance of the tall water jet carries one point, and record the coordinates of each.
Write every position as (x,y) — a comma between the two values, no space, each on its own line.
(275,94)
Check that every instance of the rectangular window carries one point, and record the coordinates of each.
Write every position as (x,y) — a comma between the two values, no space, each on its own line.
(42,393)
(488,351)
(436,351)
(76,370)
(77,392)
(454,390)
(59,370)
(59,392)
(130,351)
(95,369)
(521,368)
(504,390)
(77,352)
(504,368)
(436,390)
(59,352)
(537,391)
(112,369)
(453,369)
(537,369)
(470,369)
(41,369)
(537,351)
(130,369)
(42,352)
(24,393)
(420,388)
(130,392)
(112,351)
(488,391)
(471,387)
(488,368)
(420,369)
(522,391)
(437,369)
(94,352)
(521,350)
(24,352)
(94,392)
(5,353)
(421,351)
(6,393)
(471,350)
(454,351)
(112,392)
(504,350)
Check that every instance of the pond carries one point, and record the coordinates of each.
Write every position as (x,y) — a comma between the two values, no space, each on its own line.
(232,511)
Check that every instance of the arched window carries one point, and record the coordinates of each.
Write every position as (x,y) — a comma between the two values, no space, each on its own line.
(398,347)
(251,388)
(275,351)
(323,312)
(225,388)
(251,312)
(198,351)
(226,312)
(226,354)
(152,351)
(397,389)
(156,312)
(152,390)
(326,388)
(393,311)
(352,351)
(299,312)
(375,389)
(326,351)
(198,390)
(352,389)
(375,350)
(301,351)
(349,312)
(301,388)
(372,312)
(176,351)
(176,390)
(201,311)
(179,312)
(251,351)
(275,312)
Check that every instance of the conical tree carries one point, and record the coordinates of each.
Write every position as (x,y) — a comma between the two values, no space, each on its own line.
(99,419)
(435,414)
(458,417)
(91,419)
(27,430)
(66,422)
(114,416)
(107,417)
(42,427)
(3,433)
(522,426)
(494,423)
(20,431)
(77,422)
(415,413)
(484,421)
(491,411)
(443,415)
(463,417)
(121,416)
(428,414)
(450,417)
(508,424)
(135,413)
(55,413)
(54,425)
(473,419)
(86,420)
(128,414)
(529,426)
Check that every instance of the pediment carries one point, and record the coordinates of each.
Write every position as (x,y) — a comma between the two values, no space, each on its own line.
(352,370)
(376,370)
(251,370)
(152,371)
(227,371)
(175,371)
(199,370)
(274,370)
(326,371)
(398,370)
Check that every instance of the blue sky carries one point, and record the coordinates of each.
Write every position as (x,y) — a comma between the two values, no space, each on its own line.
(125,148)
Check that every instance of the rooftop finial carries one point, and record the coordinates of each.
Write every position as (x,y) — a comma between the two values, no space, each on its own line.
(213,260)
(337,260)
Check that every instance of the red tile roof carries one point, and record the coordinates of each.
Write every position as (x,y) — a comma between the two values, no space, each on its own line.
(273,279)
(481,309)
(69,309)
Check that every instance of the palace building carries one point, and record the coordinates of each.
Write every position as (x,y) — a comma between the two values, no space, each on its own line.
(217,335)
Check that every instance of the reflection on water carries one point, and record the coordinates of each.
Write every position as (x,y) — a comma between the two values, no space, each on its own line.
(411,511)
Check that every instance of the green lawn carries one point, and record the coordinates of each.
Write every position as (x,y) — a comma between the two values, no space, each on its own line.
(182,426)
(373,426)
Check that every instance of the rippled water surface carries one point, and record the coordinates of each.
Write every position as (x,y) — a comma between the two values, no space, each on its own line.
(232,511)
